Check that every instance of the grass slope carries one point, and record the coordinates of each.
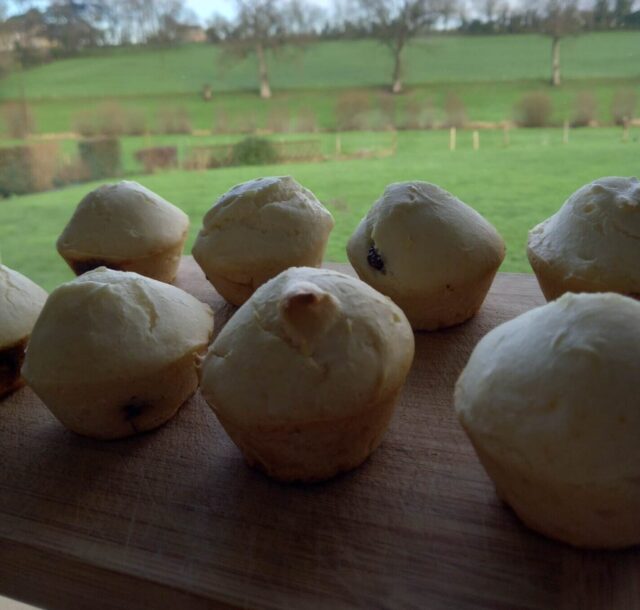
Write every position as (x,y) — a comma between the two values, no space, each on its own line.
(438,59)
(514,187)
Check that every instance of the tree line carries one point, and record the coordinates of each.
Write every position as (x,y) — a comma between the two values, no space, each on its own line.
(260,28)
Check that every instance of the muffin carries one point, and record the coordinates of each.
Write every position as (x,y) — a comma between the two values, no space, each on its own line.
(20,303)
(126,227)
(114,353)
(433,255)
(305,376)
(592,244)
(551,403)
(258,229)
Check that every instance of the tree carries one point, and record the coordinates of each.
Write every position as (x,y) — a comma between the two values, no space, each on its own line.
(70,25)
(261,27)
(561,19)
(395,23)
(621,10)
(601,14)
(3,10)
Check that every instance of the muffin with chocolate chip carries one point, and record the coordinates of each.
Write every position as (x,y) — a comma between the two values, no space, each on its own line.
(20,304)
(127,227)
(114,353)
(432,254)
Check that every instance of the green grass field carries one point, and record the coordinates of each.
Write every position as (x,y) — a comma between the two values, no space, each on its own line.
(438,59)
(514,187)
(488,73)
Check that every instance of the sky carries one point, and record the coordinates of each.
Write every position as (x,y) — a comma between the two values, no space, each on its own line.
(205,8)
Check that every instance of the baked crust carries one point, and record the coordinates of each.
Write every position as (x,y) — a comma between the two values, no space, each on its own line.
(429,252)
(122,407)
(11,359)
(305,376)
(588,516)
(551,403)
(312,451)
(126,227)
(257,230)
(592,243)
(162,266)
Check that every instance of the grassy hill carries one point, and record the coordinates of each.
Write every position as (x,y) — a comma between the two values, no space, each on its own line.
(438,59)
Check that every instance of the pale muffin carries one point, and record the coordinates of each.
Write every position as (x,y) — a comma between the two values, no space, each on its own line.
(114,353)
(592,244)
(127,227)
(551,402)
(20,304)
(257,230)
(432,254)
(306,375)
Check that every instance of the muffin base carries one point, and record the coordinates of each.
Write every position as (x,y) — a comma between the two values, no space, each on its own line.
(591,516)
(238,293)
(233,292)
(162,266)
(554,283)
(11,359)
(121,407)
(453,305)
(312,451)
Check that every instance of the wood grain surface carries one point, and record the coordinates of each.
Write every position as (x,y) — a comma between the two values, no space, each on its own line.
(174,518)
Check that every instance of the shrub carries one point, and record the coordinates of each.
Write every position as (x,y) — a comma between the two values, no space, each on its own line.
(279,119)
(306,121)
(623,106)
(174,120)
(157,158)
(454,110)
(72,172)
(221,122)
(534,110)
(110,119)
(585,109)
(28,169)
(352,111)
(254,151)
(135,123)
(18,119)
(387,110)
(418,114)
(245,122)
(101,157)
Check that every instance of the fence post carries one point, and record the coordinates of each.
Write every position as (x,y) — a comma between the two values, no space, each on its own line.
(452,138)
(565,132)
(476,140)
(338,145)
(625,130)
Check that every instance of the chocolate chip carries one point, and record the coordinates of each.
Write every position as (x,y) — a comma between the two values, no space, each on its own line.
(375,260)
(133,409)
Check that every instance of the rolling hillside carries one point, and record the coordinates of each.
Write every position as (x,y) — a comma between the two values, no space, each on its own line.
(439,59)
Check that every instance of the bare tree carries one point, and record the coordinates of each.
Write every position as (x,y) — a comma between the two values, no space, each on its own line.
(561,19)
(395,23)
(264,26)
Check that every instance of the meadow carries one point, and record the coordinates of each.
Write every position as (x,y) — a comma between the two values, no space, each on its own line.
(514,186)
(489,74)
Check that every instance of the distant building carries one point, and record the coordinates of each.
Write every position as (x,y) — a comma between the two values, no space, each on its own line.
(192,33)
(27,31)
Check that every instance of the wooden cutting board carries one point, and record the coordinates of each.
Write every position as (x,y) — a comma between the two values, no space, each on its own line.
(174,518)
